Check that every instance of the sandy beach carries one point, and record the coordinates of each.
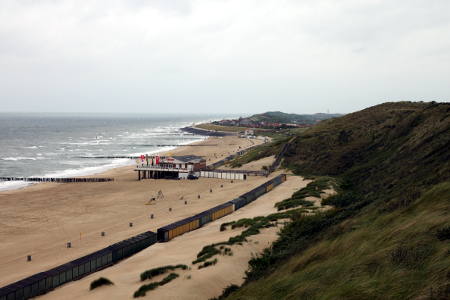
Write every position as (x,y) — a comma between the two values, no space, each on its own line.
(39,220)
(194,283)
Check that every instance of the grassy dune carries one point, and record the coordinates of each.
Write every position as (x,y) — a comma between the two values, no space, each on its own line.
(377,255)
(388,236)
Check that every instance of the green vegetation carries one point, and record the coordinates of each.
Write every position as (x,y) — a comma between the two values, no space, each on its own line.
(149,274)
(100,282)
(141,292)
(207,252)
(443,233)
(253,227)
(208,263)
(258,152)
(226,291)
(387,238)
(281,117)
(214,127)
(313,189)
(393,256)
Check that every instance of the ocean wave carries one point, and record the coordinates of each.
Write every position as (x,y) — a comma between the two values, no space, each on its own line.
(90,170)
(13,185)
(167,148)
(123,142)
(150,152)
(91,143)
(19,158)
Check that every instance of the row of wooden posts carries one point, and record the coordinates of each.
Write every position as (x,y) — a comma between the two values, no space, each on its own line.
(57,179)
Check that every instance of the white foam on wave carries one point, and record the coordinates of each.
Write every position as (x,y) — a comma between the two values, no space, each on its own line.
(13,185)
(120,162)
(91,143)
(33,147)
(84,171)
(168,148)
(19,158)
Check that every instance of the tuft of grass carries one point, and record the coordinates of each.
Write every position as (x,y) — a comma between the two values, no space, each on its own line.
(227,251)
(443,233)
(208,263)
(141,292)
(207,252)
(226,292)
(342,199)
(411,256)
(149,274)
(168,278)
(100,282)
(253,226)
(312,189)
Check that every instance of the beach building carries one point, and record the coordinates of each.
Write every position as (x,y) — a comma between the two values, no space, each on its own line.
(156,166)
(249,132)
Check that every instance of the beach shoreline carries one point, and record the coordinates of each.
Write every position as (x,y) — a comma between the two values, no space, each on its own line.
(39,220)
(99,171)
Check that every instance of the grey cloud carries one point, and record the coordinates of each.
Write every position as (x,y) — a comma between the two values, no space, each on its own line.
(230,56)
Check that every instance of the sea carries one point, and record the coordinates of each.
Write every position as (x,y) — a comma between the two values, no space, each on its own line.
(69,145)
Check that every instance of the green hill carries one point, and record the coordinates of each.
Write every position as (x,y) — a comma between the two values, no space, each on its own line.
(280,117)
(388,237)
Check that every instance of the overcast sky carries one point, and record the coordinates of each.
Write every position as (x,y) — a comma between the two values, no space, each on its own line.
(228,56)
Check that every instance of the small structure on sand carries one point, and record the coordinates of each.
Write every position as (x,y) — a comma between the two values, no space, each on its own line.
(169,166)
(152,200)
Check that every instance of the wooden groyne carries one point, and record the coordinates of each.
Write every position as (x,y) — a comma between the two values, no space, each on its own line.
(57,179)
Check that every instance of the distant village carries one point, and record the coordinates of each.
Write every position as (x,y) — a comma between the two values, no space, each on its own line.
(250,123)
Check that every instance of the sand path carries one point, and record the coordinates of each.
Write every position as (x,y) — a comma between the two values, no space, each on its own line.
(256,165)
(203,284)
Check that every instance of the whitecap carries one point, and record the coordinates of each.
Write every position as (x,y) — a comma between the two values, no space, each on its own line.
(13,185)
(19,158)
(91,170)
